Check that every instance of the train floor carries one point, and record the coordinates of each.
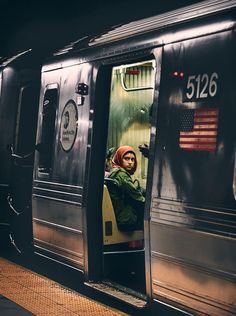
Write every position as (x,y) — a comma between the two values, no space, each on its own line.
(24,293)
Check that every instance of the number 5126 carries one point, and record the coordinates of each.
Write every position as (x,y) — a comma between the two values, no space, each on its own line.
(201,86)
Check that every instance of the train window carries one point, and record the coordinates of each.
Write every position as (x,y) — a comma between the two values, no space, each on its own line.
(26,120)
(139,76)
(48,130)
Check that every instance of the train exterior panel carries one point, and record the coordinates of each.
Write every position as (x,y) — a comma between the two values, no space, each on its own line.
(59,177)
(19,93)
(95,95)
(190,208)
(193,203)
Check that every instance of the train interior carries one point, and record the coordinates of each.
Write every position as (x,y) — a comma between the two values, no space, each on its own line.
(131,98)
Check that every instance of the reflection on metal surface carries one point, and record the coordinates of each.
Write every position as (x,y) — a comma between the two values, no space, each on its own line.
(164,20)
(202,30)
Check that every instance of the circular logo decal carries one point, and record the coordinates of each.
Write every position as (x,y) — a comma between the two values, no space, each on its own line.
(68,128)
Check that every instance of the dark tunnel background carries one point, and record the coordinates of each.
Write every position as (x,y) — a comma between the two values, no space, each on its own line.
(46,26)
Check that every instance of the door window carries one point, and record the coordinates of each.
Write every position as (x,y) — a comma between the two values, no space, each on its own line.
(48,131)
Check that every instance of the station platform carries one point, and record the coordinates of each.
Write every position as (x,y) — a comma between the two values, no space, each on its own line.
(26,293)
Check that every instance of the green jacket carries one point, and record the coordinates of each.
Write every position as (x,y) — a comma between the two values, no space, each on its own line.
(127,200)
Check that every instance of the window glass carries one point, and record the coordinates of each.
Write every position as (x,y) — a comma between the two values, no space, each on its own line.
(48,131)
(26,120)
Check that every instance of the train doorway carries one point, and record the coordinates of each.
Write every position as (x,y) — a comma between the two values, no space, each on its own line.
(130,109)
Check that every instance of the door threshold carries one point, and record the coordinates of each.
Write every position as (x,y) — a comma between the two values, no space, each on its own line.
(119,292)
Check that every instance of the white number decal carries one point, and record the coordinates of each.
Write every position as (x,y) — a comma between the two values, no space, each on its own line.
(205,80)
(190,86)
(200,86)
(213,84)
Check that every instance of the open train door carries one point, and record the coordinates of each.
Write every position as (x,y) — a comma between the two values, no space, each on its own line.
(129,115)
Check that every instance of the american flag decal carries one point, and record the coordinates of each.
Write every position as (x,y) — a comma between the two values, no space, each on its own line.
(198,129)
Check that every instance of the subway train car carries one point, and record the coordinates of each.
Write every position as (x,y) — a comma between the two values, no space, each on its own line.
(165,82)
(19,99)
